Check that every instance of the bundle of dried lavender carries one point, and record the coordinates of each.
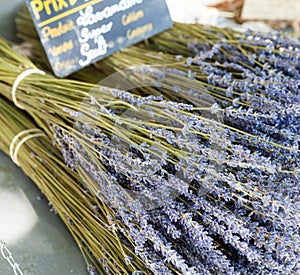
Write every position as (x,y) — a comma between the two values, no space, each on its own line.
(196,195)
(87,218)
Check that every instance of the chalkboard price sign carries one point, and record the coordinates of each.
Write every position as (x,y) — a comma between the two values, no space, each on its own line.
(76,33)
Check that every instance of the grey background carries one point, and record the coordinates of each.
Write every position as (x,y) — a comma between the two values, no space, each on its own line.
(43,247)
(7,14)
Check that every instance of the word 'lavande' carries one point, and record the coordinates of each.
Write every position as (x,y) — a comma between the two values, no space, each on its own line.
(88,17)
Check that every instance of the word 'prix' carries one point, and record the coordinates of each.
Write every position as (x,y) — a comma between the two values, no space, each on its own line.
(50,6)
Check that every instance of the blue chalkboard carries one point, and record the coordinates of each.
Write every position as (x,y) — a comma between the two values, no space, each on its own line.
(76,33)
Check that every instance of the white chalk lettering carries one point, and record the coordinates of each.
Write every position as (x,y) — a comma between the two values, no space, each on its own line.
(86,34)
(91,54)
(88,17)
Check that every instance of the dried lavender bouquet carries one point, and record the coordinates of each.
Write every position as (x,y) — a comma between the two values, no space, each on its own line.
(233,210)
(87,218)
(249,75)
(246,76)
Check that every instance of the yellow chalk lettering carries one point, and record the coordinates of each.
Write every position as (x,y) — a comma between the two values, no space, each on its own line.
(62,4)
(62,48)
(132,17)
(72,2)
(55,6)
(48,32)
(50,6)
(37,7)
(140,31)
(47,7)
(65,65)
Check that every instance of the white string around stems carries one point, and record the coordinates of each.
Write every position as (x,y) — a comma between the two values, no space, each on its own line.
(14,150)
(17,81)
